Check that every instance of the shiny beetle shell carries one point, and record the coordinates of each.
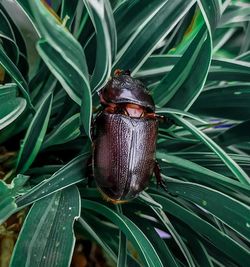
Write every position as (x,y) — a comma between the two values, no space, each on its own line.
(125,89)
(124,146)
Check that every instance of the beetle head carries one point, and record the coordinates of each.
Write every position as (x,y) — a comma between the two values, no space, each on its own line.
(122,89)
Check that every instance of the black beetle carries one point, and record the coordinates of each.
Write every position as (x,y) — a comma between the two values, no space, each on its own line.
(125,133)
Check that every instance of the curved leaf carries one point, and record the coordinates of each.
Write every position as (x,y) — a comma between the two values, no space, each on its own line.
(139,240)
(72,173)
(231,164)
(67,131)
(11,106)
(34,136)
(154,29)
(8,192)
(230,211)
(47,237)
(13,71)
(170,84)
(64,50)
(224,243)
(101,15)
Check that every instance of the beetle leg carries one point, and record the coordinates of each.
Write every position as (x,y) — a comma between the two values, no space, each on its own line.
(160,181)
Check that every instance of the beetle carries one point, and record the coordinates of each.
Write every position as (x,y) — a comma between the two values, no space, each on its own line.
(125,134)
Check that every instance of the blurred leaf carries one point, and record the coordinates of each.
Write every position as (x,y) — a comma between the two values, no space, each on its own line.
(199,251)
(47,237)
(8,38)
(126,21)
(191,88)
(68,9)
(167,256)
(181,113)
(236,14)
(34,136)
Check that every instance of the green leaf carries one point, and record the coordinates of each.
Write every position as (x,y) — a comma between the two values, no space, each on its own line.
(169,85)
(197,248)
(34,136)
(57,35)
(211,12)
(11,106)
(15,74)
(154,29)
(144,198)
(233,15)
(101,15)
(72,173)
(8,38)
(66,54)
(97,238)
(133,233)
(181,113)
(224,243)
(67,76)
(234,135)
(67,131)
(164,251)
(177,238)
(126,21)
(193,85)
(8,192)
(198,170)
(122,250)
(230,163)
(230,211)
(69,79)
(229,101)
(47,237)
(68,10)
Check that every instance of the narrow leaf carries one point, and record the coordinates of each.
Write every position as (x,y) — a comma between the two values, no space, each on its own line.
(230,163)
(47,237)
(139,240)
(72,173)
(34,136)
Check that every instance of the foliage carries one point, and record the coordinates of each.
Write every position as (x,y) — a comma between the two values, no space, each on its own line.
(194,58)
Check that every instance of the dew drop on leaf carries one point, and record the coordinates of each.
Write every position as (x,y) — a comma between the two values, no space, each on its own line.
(204,202)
